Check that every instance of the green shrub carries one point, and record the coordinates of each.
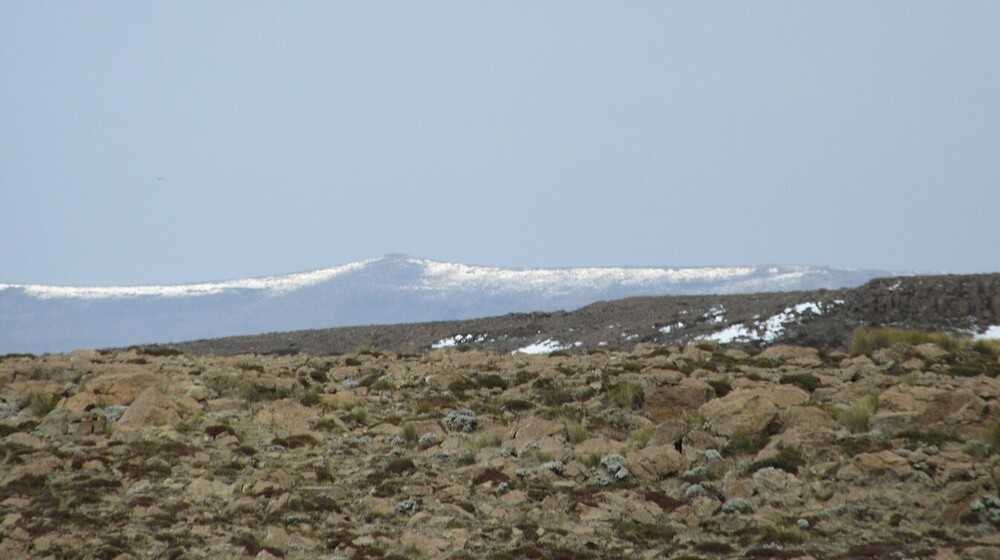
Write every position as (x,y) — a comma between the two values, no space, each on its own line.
(491,381)
(632,366)
(40,404)
(487,440)
(555,396)
(641,437)
(627,395)
(857,416)
(250,365)
(990,348)
(310,398)
(518,405)
(866,340)
(746,443)
(576,433)
(722,388)
(930,437)
(383,384)
(805,381)
(359,415)
(252,392)
(522,377)
(788,459)
(410,434)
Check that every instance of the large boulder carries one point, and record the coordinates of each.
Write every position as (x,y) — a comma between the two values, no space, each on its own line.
(654,463)
(151,408)
(537,432)
(793,355)
(750,410)
(672,401)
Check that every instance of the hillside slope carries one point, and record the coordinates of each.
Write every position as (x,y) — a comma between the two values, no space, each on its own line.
(823,318)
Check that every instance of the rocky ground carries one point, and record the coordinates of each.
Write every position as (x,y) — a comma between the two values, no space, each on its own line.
(660,452)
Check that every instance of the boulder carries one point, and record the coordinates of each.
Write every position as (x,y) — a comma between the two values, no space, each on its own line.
(793,355)
(655,463)
(672,401)
(151,408)
(750,410)
(883,462)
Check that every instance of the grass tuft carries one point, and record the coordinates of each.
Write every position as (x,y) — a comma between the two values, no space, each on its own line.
(857,416)
(866,340)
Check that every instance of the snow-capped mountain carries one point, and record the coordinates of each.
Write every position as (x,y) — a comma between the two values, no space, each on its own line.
(392,289)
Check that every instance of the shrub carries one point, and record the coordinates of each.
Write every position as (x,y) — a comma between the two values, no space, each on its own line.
(722,388)
(383,384)
(990,348)
(627,395)
(410,434)
(310,398)
(359,415)
(857,416)
(518,405)
(522,377)
(491,381)
(746,443)
(555,396)
(41,404)
(642,437)
(576,433)
(252,392)
(486,441)
(788,459)
(632,367)
(866,340)
(805,381)
(930,437)
(250,365)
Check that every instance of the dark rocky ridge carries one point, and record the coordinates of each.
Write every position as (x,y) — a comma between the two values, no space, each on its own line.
(951,302)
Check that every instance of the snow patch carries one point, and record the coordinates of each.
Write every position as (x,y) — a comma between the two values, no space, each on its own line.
(716,314)
(992,333)
(768,330)
(444,275)
(670,328)
(453,341)
(273,284)
(546,346)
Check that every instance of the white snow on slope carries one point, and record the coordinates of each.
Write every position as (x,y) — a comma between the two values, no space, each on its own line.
(546,346)
(442,275)
(991,333)
(436,275)
(273,284)
(453,341)
(768,330)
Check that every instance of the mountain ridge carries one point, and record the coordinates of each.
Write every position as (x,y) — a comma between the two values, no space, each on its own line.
(392,289)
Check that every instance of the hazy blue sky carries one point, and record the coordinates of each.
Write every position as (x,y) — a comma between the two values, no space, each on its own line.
(176,141)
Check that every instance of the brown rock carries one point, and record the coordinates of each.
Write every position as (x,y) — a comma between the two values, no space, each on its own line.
(883,462)
(151,408)
(793,355)
(750,410)
(671,401)
(287,416)
(121,388)
(532,430)
(655,463)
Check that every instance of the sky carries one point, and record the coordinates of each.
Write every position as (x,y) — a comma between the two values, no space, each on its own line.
(166,142)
